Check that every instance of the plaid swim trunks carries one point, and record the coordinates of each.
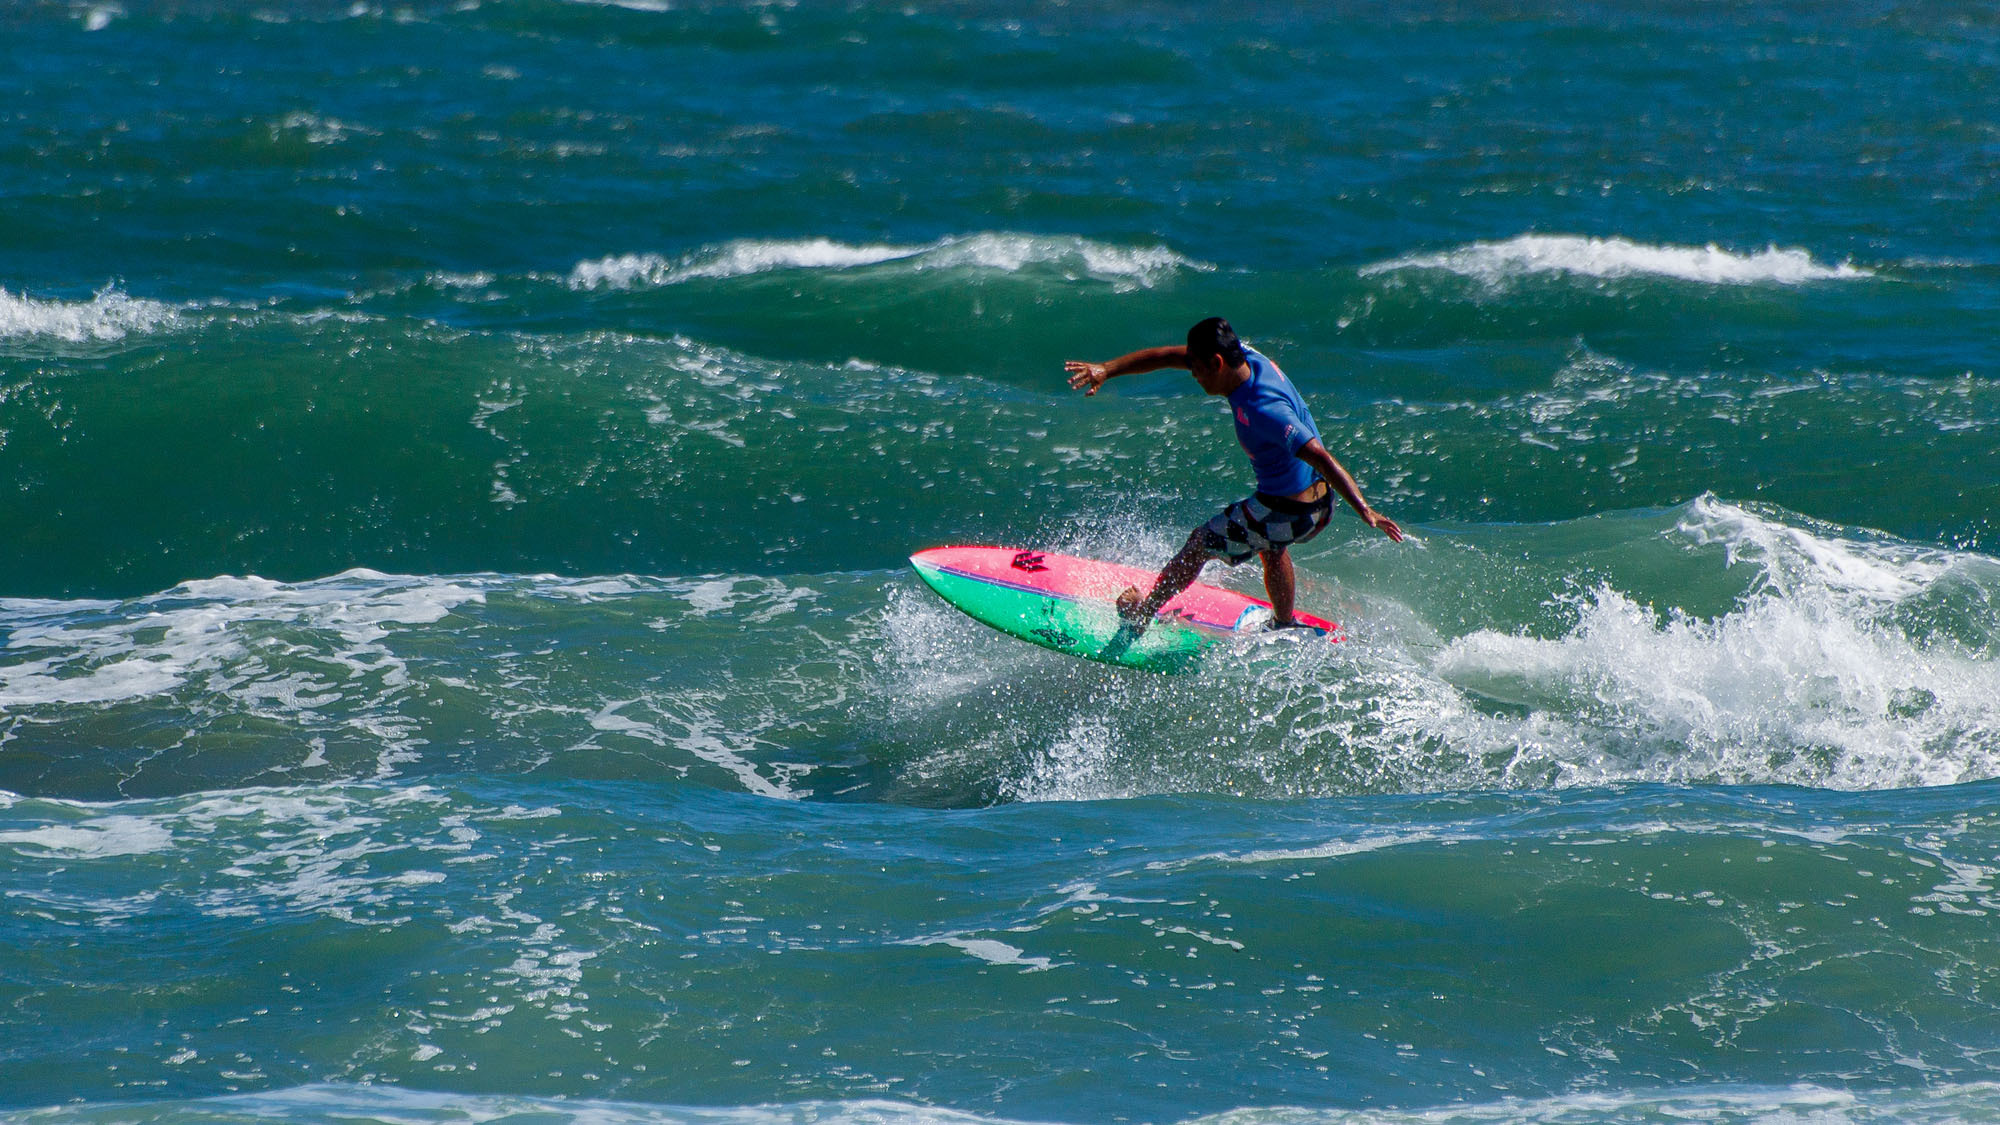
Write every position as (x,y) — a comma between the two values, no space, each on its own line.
(1261,523)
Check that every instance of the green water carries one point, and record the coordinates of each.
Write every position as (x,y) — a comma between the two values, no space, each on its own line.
(458,660)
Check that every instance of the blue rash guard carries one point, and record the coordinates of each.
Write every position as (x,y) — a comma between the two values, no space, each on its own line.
(1273,424)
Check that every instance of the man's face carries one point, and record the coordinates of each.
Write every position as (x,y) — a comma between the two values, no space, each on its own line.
(1207,371)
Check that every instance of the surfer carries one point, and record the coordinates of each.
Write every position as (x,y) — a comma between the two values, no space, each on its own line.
(1296,476)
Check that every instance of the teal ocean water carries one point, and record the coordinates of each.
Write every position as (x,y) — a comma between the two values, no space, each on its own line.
(458,664)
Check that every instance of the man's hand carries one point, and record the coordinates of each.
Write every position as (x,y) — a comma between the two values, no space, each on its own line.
(1336,474)
(1383,524)
(1086,377)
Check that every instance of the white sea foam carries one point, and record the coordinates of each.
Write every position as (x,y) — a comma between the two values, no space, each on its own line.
(703,735)
(1075,258)
(1800,1104)
(725,595)
(110,315)
(319,130)
(198,629)
(988,950)
(349,668)
(1495,263)
(404,1106)
(308,850)
(315,850)
(95,839)
(1795,559)
(629,5)
(1332,849)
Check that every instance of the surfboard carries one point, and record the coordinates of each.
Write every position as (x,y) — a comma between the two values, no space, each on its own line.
(1069,604)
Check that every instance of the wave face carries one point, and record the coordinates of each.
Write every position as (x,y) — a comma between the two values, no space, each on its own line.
(458,658)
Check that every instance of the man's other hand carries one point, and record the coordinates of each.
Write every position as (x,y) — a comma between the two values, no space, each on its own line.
(1086,377)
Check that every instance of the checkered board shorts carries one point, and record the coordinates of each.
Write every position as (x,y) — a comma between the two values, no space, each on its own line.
(1254,525)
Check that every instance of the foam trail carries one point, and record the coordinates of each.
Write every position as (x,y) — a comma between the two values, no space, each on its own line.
(1495,263)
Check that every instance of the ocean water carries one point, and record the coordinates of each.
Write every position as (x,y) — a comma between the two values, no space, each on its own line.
(458,664)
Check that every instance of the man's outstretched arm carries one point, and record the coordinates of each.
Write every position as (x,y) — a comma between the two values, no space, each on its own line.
(1315,454)
(1087,377)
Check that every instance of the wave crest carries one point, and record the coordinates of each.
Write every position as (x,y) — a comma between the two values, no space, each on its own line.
(110,315)
(1077,258)
(1495,263)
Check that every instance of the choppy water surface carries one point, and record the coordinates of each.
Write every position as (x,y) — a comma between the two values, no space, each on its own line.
(457,661)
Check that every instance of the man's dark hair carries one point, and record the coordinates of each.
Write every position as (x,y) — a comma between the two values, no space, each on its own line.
(1214,337)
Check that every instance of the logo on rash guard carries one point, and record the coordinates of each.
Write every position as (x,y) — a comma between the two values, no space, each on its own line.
(1242,417)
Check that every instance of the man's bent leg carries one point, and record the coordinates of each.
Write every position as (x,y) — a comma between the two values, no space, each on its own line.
(1281,584)
(1179,573)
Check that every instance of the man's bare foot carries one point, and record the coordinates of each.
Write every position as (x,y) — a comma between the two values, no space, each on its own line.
(1131,609)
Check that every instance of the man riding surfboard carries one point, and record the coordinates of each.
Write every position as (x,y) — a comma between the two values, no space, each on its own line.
(1296,476)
